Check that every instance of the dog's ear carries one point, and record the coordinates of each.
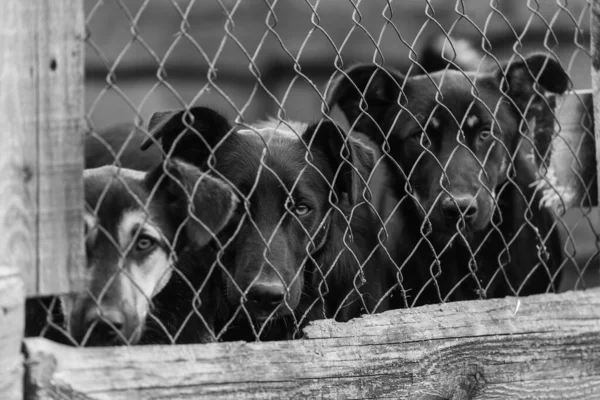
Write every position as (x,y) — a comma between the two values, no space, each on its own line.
(538,73)
(203,202)
(352,160)
(380,89)
(189,135)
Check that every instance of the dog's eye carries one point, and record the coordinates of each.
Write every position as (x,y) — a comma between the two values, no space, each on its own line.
(144,243)
(485,135)
(415,136)
(301,210)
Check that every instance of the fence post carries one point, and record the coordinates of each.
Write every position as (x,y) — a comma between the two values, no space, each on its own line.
(42,109)
(595,51)
(41,188)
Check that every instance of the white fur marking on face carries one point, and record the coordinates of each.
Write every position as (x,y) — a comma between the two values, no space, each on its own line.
(472,121)
(435,123)
(149,277)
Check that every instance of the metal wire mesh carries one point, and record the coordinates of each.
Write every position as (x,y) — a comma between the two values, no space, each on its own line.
(397,189)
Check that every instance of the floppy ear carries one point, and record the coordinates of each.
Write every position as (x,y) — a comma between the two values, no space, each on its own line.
(380,89)
(160,117)
(190,135)
(350,158)
(537,73)
(203,202)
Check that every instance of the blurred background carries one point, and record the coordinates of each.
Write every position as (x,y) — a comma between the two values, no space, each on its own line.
(251,50)
(252,59)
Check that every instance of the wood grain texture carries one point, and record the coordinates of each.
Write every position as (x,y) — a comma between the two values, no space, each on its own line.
(17,200)
(60,139)
(41,189)
(544,346)
(595,53)
(12,324)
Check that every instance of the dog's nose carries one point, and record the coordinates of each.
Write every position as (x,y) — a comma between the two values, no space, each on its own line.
(266,296)
(106,326)
(464,206)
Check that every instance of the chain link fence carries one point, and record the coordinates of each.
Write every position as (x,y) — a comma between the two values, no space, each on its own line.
(318,159)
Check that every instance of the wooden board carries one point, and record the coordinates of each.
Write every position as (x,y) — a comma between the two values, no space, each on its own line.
(544,346)
(595,53)
(12,322)
(41,106)
(60,129)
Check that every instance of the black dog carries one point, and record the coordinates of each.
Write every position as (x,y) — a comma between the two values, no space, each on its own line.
(292,256)
(470,222)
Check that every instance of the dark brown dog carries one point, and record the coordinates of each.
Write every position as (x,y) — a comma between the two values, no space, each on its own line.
(471,225)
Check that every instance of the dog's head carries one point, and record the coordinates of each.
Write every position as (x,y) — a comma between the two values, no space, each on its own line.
(288,175)
(135,225)
(453,134)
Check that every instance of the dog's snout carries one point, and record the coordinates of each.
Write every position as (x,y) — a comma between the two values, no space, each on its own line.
(105,326)
(457,207)
(266,296)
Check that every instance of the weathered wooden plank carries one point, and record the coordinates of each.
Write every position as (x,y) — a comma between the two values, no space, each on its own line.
(42,113)
(544,346)
(595,53)
(59,66)
(12,323)
(17,220)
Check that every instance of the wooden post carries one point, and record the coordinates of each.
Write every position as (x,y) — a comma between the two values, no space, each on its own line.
(41,184)
(595,50)
(42,109)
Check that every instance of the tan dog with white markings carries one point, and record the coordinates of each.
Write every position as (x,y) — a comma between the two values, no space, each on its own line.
(138,227)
